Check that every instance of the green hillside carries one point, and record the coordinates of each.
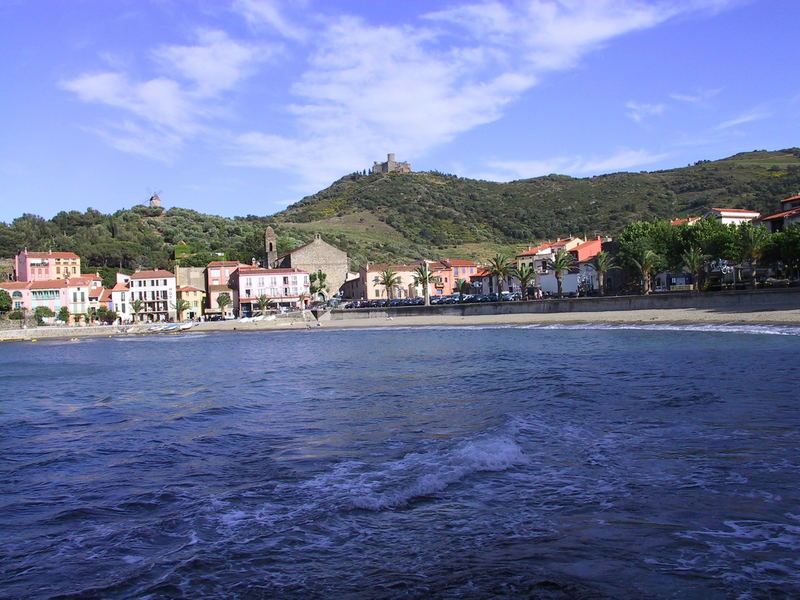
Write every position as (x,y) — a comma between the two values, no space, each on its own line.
(399,217)
(444,213)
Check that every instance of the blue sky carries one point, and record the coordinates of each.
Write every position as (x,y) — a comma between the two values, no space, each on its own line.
(245,106)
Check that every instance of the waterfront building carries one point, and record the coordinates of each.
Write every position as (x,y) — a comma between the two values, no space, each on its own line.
(317,256)
(19,292)
(367,285)
(219,281)
(196,298)
(282,287)
(45,266)
(156,290)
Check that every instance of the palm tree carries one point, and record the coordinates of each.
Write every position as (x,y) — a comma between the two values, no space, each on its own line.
(499,268)
(223,300)
(561,262)
(603,262)
(645,261)
(693,260)
(301,298)
(263,303)
(526,275)
(423,276)
(137,306)
(389,280)
(180,307)
(318,284)
(752,242)
(462,287)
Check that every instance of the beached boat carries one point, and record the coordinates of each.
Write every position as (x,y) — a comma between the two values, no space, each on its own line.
(185,326)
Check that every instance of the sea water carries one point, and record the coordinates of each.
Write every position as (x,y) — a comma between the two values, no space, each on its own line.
(486,462)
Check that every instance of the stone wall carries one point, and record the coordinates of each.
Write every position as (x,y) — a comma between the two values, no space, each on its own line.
(318,255)
(744,301)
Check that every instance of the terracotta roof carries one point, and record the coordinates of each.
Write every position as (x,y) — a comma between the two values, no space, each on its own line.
(458,262)
(189,288)
(682,221)
(790,199)
(781,215)
(119,287)
(14,285)
(539,248)
(93,276)
(50,284)
(157,274)
(52,255)
(224,263)
(105,296)
(78,281)
(261,271)
(96,292)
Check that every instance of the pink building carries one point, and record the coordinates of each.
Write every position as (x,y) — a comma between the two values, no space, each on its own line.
(219,280)
(282,286)
(19,292)
(44,266)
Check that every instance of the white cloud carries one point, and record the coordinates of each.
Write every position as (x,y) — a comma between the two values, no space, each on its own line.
(753,115)
(375,89)
(700,98)
(168,110)
(639,111)
(267,12)
(214,65)
(622,160)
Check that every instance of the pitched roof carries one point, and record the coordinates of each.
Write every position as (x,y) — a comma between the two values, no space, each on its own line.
(119,287)
(49,284)
(156,274)
(741,211)
(689,220)
(14,285)
(189,288)
(224,263)
(790,199)
(458,262)
(105,296)
(262,271)
(781,215)
(51,254)
(539,248)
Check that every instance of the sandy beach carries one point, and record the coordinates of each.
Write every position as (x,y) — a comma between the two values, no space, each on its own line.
(676,316)
(299,322)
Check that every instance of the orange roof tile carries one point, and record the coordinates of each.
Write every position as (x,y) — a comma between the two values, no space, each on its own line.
(780,215)
(682,221)
(52,255)
(790,199)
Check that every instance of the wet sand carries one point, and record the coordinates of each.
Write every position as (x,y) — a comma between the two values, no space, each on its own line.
(676,316)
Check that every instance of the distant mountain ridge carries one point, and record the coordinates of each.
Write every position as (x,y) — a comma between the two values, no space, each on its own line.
(395,217)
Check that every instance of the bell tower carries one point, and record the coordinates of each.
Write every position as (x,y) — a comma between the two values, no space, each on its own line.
(271,247)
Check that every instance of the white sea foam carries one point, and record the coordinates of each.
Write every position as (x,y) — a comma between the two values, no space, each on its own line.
(703,328)
(417,474)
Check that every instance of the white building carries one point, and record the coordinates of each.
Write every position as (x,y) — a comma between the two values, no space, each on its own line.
(732,216)
(155,289)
